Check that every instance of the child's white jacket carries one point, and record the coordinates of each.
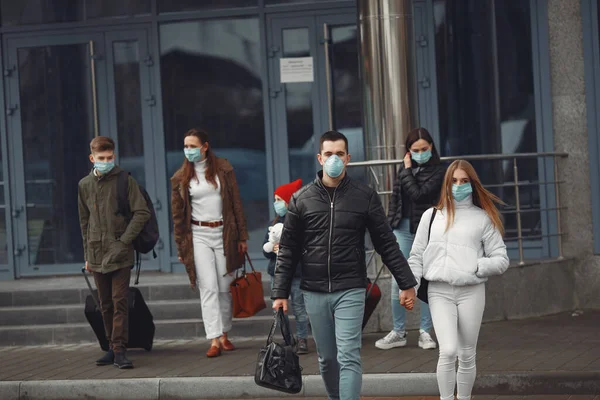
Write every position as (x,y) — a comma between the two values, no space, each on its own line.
(467,253)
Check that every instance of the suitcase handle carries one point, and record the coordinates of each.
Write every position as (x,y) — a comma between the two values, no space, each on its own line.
(87,280)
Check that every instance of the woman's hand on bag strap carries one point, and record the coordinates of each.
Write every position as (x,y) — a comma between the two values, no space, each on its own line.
(242,247)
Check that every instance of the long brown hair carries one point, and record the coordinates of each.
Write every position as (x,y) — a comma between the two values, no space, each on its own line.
(482,197)
(187,168)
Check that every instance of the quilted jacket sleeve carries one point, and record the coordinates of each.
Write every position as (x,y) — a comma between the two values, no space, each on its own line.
(386,245)
(289,254)
(416,192)
(396,195)
(495,260)
(419,245)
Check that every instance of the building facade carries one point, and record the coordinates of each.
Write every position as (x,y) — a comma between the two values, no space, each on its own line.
(265,78)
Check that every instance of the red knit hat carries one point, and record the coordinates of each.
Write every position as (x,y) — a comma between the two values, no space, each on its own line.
(286,191)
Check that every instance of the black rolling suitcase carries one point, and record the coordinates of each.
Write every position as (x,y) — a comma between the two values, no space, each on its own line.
(141,322)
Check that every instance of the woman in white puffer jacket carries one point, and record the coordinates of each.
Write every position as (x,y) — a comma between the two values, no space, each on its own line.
(463,248)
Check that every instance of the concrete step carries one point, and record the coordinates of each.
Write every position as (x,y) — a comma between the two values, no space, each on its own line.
(74,313)
(70,291)
(73,333)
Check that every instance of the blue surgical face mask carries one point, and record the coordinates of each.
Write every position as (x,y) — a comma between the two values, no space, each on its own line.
(334,166)
(421,158)
(104,167)
(461,192)
(280,208)
(193,154)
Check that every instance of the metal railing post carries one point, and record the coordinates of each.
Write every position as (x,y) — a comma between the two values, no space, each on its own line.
(518,209)
(558,224)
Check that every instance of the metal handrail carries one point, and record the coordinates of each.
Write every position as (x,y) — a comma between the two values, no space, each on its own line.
(475,157)
(516,185)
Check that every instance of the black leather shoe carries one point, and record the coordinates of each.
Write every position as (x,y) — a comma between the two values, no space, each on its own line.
(122,362)
(107,359)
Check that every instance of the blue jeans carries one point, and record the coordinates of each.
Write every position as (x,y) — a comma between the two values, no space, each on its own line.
(336,321)
(405,240)
(298,308)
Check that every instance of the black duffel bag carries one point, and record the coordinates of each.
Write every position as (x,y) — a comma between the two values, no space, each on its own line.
(278,365)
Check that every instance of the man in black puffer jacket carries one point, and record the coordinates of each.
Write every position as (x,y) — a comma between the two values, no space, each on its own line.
(325,229)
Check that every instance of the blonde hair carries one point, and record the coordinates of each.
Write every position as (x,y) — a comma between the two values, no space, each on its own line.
(482,197)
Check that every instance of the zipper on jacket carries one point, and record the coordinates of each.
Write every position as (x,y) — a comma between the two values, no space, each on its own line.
(330,236)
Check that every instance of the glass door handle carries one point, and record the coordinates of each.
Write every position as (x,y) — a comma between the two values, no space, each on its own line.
(17,212)
(19,250)
(326,42)
(93,58)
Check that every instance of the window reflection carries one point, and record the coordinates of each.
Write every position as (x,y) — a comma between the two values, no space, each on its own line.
(346,90)
(211,80)
(193,5)
(486,94)
(55,101)
(299,111)
(25,12)
(126,55)
(273,2)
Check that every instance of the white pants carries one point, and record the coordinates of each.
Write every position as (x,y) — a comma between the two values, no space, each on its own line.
(456,312)
(213,280)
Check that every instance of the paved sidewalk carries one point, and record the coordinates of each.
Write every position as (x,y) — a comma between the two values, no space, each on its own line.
(491,397)
(556,343)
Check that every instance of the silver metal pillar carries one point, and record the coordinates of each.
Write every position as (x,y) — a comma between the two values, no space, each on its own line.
(386,71)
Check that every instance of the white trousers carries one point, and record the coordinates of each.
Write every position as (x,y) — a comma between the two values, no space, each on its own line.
(213,280)
(456,312)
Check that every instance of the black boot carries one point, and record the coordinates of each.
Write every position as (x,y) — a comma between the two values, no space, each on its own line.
(121,361)
(107,359)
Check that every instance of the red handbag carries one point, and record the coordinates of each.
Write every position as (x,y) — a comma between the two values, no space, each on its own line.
(247,292)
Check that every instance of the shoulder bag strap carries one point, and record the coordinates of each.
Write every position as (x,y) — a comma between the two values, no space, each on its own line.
(431,223)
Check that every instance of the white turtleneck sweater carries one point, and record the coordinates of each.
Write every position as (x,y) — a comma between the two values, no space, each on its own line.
(470,251)
(207,204)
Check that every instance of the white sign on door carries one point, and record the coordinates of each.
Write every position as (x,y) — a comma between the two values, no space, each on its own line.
(296,69)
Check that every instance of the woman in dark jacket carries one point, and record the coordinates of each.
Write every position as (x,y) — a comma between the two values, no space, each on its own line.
(416,189)
(283,194)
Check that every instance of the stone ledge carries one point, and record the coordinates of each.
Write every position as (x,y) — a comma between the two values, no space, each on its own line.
(409,384)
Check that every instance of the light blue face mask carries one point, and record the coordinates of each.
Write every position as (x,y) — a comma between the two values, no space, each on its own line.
(104,167)
(461,192)
(193,154)
(334,166)
(280,208)
(421,158)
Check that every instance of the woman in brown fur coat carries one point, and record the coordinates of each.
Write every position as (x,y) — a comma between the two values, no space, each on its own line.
(210,232)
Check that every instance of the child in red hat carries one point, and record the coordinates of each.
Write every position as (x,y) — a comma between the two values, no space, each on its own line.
(282,196)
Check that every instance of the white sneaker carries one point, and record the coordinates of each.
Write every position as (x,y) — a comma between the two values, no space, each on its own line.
(393,339)
(426,342)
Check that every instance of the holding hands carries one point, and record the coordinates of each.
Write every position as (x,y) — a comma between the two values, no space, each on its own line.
(407,298)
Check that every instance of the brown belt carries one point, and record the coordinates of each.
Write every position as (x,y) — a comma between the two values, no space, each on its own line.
(214,224)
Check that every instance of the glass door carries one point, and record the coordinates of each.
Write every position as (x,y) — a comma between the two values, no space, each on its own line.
(54,91)
(314,87)
(131,109)
(62,91)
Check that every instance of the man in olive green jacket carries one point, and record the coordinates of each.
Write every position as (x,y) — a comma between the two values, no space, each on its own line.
(107,243)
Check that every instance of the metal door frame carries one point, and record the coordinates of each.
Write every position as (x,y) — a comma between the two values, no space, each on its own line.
(14,128)
(148,104)
(311,20)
